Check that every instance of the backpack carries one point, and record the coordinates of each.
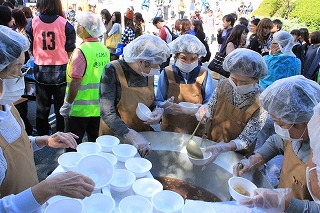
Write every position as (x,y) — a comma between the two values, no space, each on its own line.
(174,36)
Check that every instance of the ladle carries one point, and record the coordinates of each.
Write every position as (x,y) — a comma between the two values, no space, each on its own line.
(193,148)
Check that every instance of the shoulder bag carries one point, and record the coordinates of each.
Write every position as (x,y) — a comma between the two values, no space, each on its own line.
(216,63)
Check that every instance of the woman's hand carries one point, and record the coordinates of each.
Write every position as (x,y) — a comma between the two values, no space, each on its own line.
(155,116)
(70,184)
(137,140)
(63,140)
(217,149)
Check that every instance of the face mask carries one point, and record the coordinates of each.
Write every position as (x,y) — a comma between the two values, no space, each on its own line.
(12,90)
(153,71)
(284,133)
(184,67)
(244,89)
(315,199)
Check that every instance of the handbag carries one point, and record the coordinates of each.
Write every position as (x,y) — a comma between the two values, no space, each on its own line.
(113,40)
(216,63)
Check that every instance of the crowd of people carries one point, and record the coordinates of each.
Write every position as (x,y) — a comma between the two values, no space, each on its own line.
(266,103)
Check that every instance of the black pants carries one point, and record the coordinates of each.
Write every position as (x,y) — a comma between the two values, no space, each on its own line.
(165,12)
(181,14)
(44,95)
(81,125)
(23,110)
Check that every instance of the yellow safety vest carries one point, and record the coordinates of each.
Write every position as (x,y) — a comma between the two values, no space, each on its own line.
(86,103)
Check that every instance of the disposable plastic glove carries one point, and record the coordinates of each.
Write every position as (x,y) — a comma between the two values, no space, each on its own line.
(247,165)
(171,108)
(155,116)
(65,109)
(216,150)
(203,111)
(137,140)
(271,200)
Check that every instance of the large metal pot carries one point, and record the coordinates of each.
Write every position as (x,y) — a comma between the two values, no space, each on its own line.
(169,159)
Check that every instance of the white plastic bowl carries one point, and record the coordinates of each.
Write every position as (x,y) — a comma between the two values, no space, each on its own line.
(88,148)
(189,108)
(124,151)
(167,201)
(69,160)
(147,187)
(244,184)
(65,205)
(138,166)
(192,207)
(107,142)
(98,168)
(135,204)
(203,161)
(98,203)
(122,180)
(109,156)
(143,112)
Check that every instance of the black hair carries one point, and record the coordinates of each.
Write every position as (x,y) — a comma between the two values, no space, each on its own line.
(5,15)
(8,4)
(118,17)
(156,20)
(255,21)
(106,15)
(304,34)
(229,18)
(295,32)
(243,21)
(278,23)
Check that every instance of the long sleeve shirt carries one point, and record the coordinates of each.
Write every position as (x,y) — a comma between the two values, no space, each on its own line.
(207,87)
(128,35)
(257,120)
(23,201)
(274,146)
(110,95)
(303,206)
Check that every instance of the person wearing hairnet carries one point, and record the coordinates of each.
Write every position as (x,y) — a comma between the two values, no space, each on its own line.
(125,83)
(290,102)
(234,115)
(184,81)
(84,70)
(281,61)
(19,186)
(52,39)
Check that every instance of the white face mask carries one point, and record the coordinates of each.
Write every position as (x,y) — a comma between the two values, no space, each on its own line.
(243,89)
(12,90)
(315,199)
(285,134)
(153,71)
(184,67)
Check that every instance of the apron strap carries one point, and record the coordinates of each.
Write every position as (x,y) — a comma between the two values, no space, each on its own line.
(119,71)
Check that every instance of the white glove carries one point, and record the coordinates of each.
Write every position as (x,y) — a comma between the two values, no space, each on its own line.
(137,140)
(272,200)
(203,111)
(65,109)
(155,116)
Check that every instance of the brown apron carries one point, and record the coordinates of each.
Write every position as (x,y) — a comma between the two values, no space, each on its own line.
(293,173)
(228,121)
(130,97)
(21,170)
(183,93)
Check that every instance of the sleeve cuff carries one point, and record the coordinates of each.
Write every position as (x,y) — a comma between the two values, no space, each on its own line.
(33,142)
(25,201)
(238,143)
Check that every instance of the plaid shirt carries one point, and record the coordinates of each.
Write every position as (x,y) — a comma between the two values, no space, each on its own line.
(128,35)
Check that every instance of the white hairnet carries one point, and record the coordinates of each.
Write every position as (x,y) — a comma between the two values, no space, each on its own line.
(92,23)
(148,48)
(12,44)
(285,42)
(189,44)
(314,134)
(245,62)
(291,99)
